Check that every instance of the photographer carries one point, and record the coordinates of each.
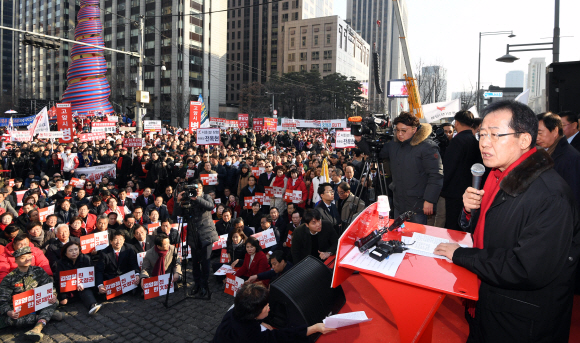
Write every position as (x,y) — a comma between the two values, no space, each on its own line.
(416,167)
(195,207)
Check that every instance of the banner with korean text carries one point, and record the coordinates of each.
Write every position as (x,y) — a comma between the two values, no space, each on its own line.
(32,300)
(157,286)
(344,139)
(120,285)
(95,241)
(208,136)
(71,279)
(96,173)
(194,115)
(243,121)
(90,137)
(266,238)
(440,110)
(64,121)
(103,126)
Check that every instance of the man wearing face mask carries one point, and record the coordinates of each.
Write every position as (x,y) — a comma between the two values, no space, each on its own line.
(70,162)
(231,174)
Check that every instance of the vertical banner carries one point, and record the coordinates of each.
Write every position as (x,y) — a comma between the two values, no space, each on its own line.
(194,115)
(204,121)
(243,120)
(258,124)
(271,124)
(64,121)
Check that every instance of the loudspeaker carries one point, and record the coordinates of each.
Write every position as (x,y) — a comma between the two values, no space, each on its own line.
(377,69)
(562,87)
(303,296)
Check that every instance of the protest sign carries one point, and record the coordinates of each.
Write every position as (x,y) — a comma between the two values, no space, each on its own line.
(344,139)
(95,241)
(45,212)
(152,227)
(65,122)
(233,284)
(134,142)
(70,279)
(256,171)
(157,286)
(208,136)
(242,120)
(32,300)
(221,243)
(224,269)
(224,258)
(140,257)
(248,201)
(103,126)
(96,173)
(77,183)
(89,137)
(289,239)
(266,238)
(151,125)
(209,179)
(120,285)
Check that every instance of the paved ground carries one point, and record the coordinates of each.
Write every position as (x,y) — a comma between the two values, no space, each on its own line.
(132,319)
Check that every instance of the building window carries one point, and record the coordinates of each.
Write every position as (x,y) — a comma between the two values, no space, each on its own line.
(303,41)
(315,67)
(291,57)
(328,38)
(292,42)
(315,40)
(315,55)
(327,67)
(284,17)
(295,16)
(285,5)
(328,54)
(290,69)
(303,67)
(303,56)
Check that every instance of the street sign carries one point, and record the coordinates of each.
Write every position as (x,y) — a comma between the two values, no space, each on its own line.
(275,112)
(493,95)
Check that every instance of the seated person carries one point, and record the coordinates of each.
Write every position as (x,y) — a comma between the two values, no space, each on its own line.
(26,277)
(65,213)
(236,250)
(113,208)
(266,224)
(73,259)
(239,224)
(80,198)
(154,218)
(50,223)
(242,323)
(54,246)
(97,206)
(279,267)
(115,260)
(252,218)
(37,236)
(161,209)
(8,234)
(255,261)
(113,223)
(141,218)
(129,225)
(170,232)
(7,262)
(76,227)
(316,237)
(157,261)
(141,241)
(224,225)
(89,219)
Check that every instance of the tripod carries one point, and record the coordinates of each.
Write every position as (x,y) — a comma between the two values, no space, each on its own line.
(373,158)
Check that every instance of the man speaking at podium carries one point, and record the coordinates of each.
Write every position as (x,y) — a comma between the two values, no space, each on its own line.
(525,226)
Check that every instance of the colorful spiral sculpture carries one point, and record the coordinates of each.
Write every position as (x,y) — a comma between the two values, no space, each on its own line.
(88,89)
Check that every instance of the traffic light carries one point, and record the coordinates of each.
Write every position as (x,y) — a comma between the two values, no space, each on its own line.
(40,42)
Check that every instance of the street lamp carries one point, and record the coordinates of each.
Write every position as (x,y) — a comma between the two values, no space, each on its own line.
(494,33)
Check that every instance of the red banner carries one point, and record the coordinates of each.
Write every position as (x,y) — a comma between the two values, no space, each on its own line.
(270,124)
(258,124)
(243,120)
(68,280)
(156,286)
(194,115)
(64,121)
(120,284)
(224,258)
(289,239)
(89,137)
(233,283)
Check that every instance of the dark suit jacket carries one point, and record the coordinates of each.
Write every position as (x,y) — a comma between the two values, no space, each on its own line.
(127,202)
(141,201)
(302,244)
(163,212)
(108,267)
(567,164)
(333,217)
(461,154)
(263,180)
(136,245)
(353,184)
(53,248)
(576,142)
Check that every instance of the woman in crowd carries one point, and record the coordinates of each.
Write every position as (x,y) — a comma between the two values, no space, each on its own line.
(255,261)
(295,184)
(89,188)
(76,227)
(37,236)
(281,182)
(252,219)
(234,204)
(6,219)
(218,212)
(245,173)
(72,258)
(243,323)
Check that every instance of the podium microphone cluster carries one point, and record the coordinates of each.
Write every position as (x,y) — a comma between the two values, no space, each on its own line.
(477,171)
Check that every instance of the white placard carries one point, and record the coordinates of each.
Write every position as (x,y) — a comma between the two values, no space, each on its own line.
(344,139)
(152,125)
(86,277)
(208,136)
(51,135)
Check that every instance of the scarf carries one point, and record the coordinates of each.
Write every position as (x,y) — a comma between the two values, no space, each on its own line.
(551,149)
(159,268)
(3,226)
(278,181)
(76,233)
(38,240)
(491,188)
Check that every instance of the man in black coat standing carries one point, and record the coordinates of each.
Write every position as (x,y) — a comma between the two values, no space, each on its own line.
(460,155)
(525,225)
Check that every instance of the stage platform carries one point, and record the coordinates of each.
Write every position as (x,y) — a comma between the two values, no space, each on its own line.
(449,324)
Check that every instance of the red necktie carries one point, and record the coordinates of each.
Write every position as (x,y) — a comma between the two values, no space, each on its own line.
(143,246)
(117,256)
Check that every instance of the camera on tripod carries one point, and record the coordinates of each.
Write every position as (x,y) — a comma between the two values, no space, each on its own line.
(375,131)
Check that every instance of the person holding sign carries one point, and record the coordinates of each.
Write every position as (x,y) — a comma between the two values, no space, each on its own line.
(298,189)
(74,259)
(207,170)
(24,278)
(115,260)
(158,261)
(242,323)
(279,183)
(255,261)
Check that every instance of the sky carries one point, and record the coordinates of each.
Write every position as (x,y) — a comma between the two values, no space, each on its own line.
(446,32)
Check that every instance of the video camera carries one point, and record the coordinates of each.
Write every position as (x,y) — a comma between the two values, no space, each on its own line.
(374,131)
(191,191)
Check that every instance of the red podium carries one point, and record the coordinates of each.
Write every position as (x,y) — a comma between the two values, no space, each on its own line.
(416,291)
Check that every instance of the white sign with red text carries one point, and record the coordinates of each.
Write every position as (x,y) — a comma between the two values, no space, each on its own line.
(266,238)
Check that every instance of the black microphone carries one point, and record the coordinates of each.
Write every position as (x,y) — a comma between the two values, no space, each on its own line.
(477,170)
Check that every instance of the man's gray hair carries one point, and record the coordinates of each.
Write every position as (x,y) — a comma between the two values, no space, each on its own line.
(61,226)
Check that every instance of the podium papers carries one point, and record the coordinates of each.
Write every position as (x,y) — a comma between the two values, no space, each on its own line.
(345,319)
(387,267)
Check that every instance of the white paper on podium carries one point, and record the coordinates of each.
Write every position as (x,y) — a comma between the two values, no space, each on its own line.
(345,319)
(359,260)
(424,243)
(409,240)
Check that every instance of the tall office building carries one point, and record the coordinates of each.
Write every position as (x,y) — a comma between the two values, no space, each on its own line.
(514,78)
(176,34)
(6,56)
(432,84)
(255,29)
(41,73)
(384,39)
(536,76)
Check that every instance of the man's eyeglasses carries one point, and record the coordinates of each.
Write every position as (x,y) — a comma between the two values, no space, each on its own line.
(494,136)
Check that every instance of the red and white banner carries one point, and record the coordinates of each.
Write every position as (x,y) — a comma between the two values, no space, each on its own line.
(77,183)
(344,139)
(140,257)
(157,286)
(233,284)
(133,142)
(224,257)
(32,300)
(103,126)
(221,243)
(96,173)
(223,123)
(95,241)
(152,227)
(289,239)
(270,124)
(208,136)
(120,285)
(45,212)
(258,124)
(209,179)
(194,115)
(224,270)
(288,123)
(90,137)
(257,171)
(243,120)
(70,279)
(440,110)
(19,197)
(152,125)
(266,238)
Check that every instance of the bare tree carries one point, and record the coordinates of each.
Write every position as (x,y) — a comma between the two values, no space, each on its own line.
(432,82)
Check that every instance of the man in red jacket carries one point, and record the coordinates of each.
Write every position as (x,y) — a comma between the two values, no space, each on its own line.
(8,263)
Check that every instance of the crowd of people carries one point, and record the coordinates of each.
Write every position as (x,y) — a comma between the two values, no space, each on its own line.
(166,182)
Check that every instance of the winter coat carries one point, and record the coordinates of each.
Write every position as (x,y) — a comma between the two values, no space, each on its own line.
(201,230)
(8,263)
